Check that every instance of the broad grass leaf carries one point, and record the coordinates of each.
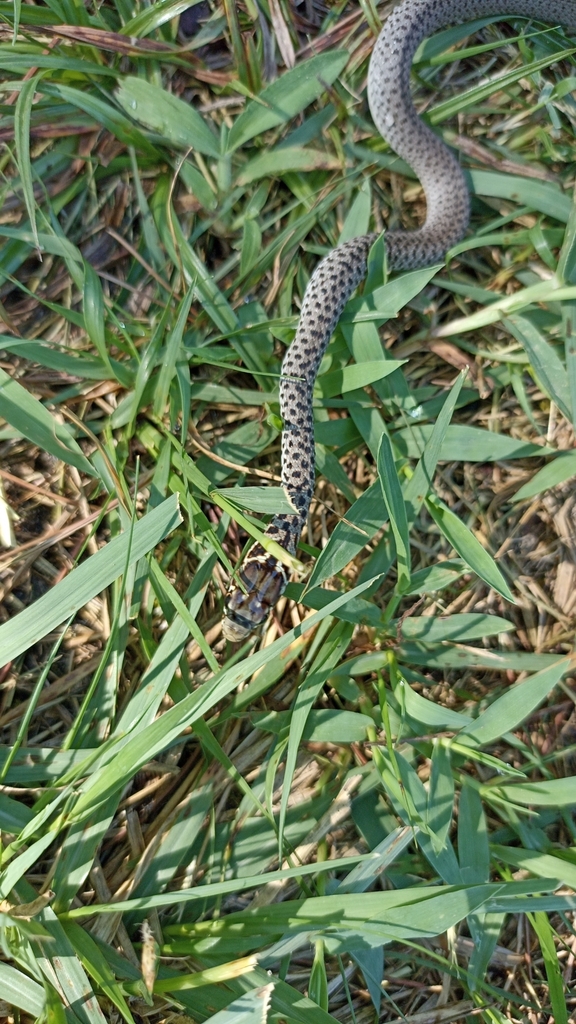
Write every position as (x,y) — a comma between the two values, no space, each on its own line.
(337,433)
(104,114)
(198,187)
(436,577)
(544,196)
(94,315)
(22,141)
(20,63)
(440,48)
(519,701)
(465,444)
(371,963)
(548,793)
(330,468)
(550,903)
(171,351)
(567,259)
(366,516)
(277,162)
(318,980)
(544,865)
(211,976)
(57,960)
(426,715)
(87,580)
(217,889)
(18,867)
(251,246)
(420,482)
(468,626)
(359,375)
(494,764)
(562,468)
(556,989)
(65,360)
(417,919)
(550,290)
(484,929)
(548,368)
(366,919)
(464,542)
(287,96)
(21,991)
(569,337)
(459,656)
(363,876)
(97,967)
(176,121)
(323,725)
(37,764)
(389,298)
(77,852)
(396,510)
(473,846)
(153,17)
(358,611)
(270,500)
(357,220)
(14,815)
(57,245)
(290,1005)
(440,803)
(159,673)
(31,419)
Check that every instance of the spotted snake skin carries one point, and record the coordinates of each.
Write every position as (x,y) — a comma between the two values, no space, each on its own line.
(263,577)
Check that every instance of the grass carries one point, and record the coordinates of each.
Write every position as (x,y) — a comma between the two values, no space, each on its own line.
(366,813)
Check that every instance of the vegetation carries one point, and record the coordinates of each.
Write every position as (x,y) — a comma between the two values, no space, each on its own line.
(367,812)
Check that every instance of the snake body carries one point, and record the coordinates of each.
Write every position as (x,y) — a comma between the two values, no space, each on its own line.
(263,577)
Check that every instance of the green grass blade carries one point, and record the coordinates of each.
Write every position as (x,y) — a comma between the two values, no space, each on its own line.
(519,701)
(87,580)
(286,97)
(22,141)
(464,542)
(21,991)
(543,929)
(396,510)
(97,967)
(31,419)
(176,121)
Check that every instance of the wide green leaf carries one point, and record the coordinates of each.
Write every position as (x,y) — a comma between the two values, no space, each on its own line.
(31,419)
(509,710)
(465,444)
(176,121)
(468,547)
(21,991)
(287,96)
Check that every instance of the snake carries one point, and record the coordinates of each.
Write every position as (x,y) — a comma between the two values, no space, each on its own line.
(262,577)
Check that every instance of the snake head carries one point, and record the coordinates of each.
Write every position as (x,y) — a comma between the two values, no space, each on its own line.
(263,580)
